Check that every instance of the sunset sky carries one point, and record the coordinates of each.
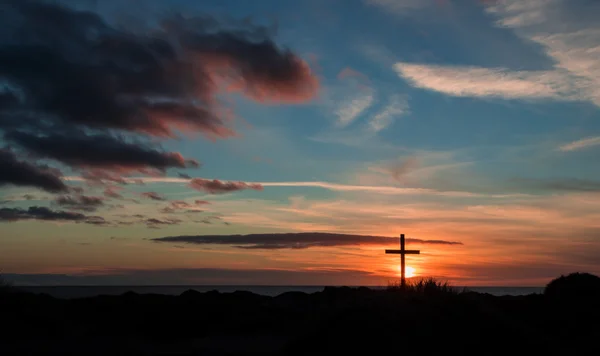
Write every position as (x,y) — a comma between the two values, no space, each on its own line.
(134,132)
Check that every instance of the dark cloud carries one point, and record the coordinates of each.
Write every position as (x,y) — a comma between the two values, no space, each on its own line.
(561,184)
(176,205)
(76,90)
(155,223)
(46,214)
(183,175)
(180,204)
(153,196)
(80,202)
(300,240)
(112,192)
(99,151)
(167,210)
(201,202)
(20,173)
(216,186)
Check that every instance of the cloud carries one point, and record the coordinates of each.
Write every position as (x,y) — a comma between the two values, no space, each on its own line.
(21,173)
(99,151)
(153,196)
(373,189)
(143,83)
(180,204)
(470,81)
(580,144)
(301,240)
(154,223)
(564,184)
(399,169)
(112,192)
(216,186)
(80,202)
(378,189)
(352,108)
(350,97)
(567,31)
(176,205)
(396,107)
(131,87)
(201,202)
(43,213)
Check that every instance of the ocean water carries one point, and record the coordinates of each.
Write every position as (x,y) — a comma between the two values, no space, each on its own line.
(91,291)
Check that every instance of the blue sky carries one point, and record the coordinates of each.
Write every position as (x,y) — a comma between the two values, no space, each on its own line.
(470,121)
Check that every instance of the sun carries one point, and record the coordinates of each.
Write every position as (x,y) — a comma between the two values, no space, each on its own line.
(410,271)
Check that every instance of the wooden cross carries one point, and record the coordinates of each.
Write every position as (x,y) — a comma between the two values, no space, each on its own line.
(402,252)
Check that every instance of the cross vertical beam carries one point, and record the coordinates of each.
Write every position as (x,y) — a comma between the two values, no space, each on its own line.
(402,262)
(403,252)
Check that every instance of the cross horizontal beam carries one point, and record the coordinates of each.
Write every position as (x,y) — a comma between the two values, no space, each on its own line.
(403,252)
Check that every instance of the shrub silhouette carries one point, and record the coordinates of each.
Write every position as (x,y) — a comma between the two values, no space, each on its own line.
(423,286)
(575,286)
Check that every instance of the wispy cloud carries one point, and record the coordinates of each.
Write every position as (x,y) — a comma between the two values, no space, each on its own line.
(580,144)
(318,184)
(351,108)
(570,38)
(381,189)
(470,81)
(351,97)
(396,107)
(560,185)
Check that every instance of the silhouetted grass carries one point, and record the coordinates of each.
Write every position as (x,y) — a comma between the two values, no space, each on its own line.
(423,286)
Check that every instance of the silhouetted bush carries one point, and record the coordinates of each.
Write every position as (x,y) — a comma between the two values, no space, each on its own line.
(423,286)
(579,286)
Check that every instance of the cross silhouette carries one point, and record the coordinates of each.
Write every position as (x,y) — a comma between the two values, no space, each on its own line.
(403,252)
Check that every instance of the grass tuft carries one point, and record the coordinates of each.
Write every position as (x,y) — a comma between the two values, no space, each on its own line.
(423,286)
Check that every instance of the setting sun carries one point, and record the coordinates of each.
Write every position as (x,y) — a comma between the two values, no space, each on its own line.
(410,271)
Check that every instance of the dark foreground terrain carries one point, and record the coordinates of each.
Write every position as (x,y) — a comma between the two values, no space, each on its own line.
(429,320)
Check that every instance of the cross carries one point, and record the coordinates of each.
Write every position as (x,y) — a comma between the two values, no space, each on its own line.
(402,252)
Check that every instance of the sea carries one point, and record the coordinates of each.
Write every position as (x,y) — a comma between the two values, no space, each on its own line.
(70,292)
